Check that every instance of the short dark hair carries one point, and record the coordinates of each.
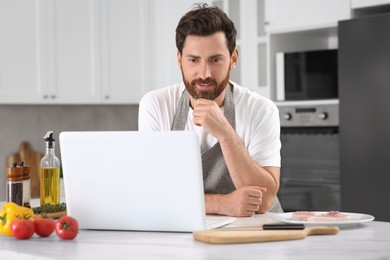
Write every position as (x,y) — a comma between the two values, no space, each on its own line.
(204,20)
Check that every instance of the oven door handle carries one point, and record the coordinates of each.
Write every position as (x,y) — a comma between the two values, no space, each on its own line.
(303,182)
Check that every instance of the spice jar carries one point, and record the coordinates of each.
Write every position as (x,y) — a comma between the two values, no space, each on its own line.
(15,184)
(26,185)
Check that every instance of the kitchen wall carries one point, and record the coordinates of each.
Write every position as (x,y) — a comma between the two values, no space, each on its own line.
(30,123)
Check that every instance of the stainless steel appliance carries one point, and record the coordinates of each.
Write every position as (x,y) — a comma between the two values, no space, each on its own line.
(306,75)
(364,58)
(310,175)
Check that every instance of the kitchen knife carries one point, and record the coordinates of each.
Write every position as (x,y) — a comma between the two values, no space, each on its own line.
(231,236)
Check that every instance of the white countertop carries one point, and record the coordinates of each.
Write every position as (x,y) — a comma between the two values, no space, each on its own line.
(364,241)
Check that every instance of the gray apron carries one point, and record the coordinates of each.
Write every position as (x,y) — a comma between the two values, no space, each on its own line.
(216,177)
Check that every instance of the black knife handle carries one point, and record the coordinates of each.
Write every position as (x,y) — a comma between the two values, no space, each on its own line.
(287,226)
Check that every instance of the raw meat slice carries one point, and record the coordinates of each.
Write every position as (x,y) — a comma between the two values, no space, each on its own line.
(302,215)
(319,217)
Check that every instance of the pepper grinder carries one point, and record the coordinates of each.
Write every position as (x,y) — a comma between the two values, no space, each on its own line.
(15,184)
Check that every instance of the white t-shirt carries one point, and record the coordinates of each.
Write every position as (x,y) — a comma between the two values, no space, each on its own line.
(257,121)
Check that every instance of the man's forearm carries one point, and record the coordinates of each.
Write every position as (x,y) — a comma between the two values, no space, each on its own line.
(244,171)
(243,202)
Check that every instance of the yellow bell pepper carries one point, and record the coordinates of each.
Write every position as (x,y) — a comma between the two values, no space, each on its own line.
(11,211)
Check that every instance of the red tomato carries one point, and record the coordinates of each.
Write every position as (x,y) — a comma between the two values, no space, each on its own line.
(22,228)
(67,228)
(44,227)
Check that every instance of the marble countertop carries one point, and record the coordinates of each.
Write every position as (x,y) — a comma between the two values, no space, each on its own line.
(363,241)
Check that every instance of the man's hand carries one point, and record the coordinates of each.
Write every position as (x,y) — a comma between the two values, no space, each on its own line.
(208,114)
(243,202)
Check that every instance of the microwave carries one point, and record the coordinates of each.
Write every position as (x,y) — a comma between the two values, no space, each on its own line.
(306,75)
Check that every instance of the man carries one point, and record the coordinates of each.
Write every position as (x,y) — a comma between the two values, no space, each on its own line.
(238,130)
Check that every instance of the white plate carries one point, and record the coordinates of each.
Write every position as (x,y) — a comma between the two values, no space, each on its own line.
(356,218)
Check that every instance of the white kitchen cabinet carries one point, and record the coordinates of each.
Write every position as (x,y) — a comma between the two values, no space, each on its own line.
(298,15)
(124,42)
(21,52)
(48,52)
(72,52)
(163,16)
(252,42)
(233,8)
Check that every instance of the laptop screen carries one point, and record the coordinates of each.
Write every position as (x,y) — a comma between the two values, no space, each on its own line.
(136,180)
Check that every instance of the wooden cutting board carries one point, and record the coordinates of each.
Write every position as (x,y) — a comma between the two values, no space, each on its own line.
(232,236)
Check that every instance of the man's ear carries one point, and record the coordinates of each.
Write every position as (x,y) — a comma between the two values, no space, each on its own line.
(178,58)
(234,59)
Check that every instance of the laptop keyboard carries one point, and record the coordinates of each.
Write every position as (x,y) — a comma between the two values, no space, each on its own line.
(218,221)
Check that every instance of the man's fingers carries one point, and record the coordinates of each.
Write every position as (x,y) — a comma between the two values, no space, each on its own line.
(245,201)
(255,200)
(255,191)
(253,208)
(196,121)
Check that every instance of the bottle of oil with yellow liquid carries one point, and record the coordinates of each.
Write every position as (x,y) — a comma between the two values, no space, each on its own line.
(50,173)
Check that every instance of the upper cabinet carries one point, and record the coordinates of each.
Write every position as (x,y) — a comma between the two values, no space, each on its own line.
(162,68)
(72,49)
(114,51)
(298,15)
(71,52)
(252,43)
(123,43)
(21,52)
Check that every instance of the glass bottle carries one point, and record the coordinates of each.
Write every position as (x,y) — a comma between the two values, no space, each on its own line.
(50,173)
(15,184)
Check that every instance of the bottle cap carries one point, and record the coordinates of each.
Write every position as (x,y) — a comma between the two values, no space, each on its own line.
(49,139)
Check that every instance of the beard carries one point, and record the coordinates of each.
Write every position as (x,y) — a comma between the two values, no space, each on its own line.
(210,94)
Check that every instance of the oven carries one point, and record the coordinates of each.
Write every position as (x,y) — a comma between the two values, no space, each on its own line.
(310,172)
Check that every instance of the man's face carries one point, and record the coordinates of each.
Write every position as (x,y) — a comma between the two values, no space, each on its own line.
(205,65)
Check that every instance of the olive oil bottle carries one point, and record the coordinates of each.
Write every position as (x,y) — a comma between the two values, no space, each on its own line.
(50,173)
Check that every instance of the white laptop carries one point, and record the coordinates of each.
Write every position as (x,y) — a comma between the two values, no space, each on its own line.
(130,180)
